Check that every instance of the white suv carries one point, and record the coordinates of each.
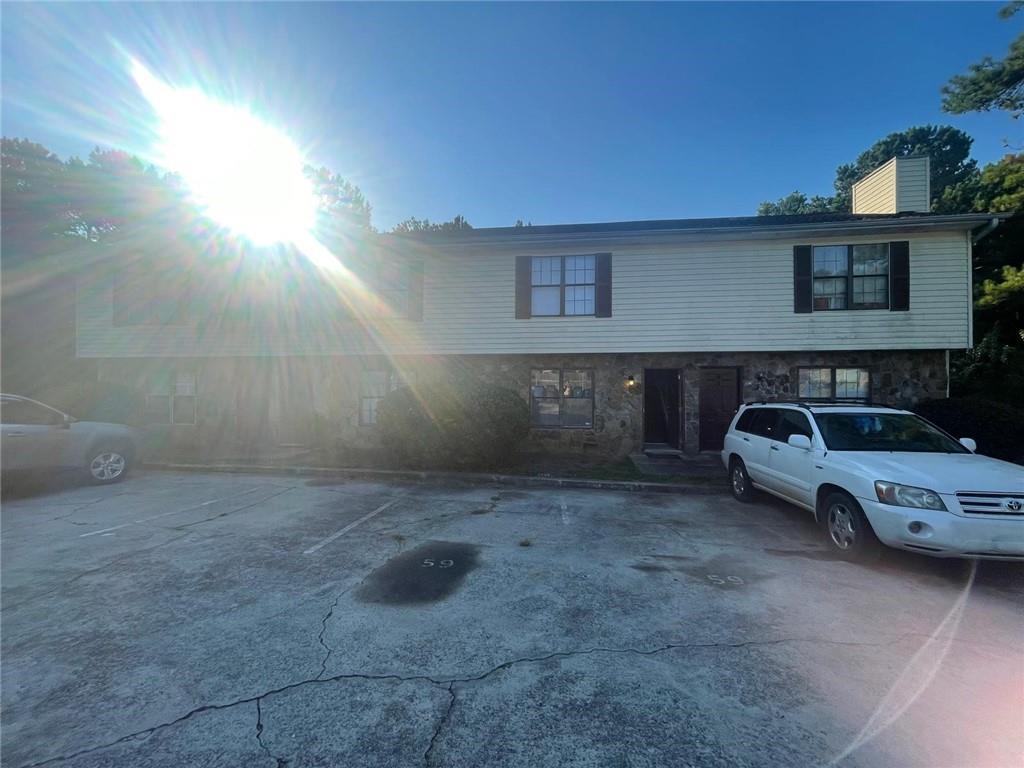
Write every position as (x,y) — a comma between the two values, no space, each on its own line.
(876,474)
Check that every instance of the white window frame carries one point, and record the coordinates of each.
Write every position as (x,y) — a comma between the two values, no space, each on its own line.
(184,385)
(833,381)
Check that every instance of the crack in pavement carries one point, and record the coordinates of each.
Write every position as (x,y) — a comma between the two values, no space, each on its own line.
(279,761)
(231,511)
(440,725)
(449,683)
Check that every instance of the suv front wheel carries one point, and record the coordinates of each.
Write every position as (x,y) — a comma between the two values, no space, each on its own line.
(849,533)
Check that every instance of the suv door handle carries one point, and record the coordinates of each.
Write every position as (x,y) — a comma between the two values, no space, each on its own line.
(775,447)
(746,439)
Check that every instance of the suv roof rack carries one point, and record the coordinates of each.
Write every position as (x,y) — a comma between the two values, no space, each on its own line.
(816,402)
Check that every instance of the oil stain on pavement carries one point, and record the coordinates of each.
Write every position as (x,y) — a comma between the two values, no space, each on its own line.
(426,574)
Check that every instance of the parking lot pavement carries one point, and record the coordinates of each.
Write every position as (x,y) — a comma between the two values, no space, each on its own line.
(187,619)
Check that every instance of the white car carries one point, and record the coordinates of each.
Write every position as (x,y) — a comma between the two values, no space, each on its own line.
(35,436)
(877,474)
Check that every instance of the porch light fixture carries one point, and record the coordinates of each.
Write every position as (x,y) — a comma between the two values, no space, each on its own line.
(632,385)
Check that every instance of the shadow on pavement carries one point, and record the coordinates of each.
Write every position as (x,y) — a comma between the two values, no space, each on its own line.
(29,485)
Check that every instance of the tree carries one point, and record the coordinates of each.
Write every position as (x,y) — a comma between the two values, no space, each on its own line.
(342,204)
(796,202)
(949,149)
(990,84)
(413,224)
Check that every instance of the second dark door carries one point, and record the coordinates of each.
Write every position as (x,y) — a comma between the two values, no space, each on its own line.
(719,398)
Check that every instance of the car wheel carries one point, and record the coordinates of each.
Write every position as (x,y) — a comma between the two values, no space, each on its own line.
(849,533)
(739,481)
(108,464)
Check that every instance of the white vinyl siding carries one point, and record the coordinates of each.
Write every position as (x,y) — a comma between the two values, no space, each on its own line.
(709,296)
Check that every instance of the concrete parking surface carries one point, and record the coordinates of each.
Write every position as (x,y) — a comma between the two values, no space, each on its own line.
(234,620)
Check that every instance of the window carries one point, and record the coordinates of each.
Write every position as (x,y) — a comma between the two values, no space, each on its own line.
(562,398)
(563,285)
(172,400)
(851,276)
(791,423)
(763,423)
(374,387)
(884,432)
(390,283)
(14,411)
(745,420)
(845,383)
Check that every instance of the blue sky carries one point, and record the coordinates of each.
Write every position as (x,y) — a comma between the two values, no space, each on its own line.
(546,112)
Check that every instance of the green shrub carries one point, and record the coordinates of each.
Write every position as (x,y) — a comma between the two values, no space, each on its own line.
(458,424)
(996,427)
(992,370)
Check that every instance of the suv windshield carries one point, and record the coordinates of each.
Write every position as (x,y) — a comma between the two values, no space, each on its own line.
(883,432)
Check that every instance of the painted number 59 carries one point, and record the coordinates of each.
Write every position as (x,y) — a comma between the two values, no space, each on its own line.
(715,579)
(430,563)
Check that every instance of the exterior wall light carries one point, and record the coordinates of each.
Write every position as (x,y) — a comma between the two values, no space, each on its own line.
(632,385)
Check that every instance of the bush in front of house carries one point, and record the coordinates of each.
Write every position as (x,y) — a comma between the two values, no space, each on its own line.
(995,426)
(464,424)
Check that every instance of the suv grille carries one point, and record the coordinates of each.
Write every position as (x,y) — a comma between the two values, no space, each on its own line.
(981,503)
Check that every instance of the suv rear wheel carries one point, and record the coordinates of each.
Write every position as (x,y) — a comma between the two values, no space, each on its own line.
(849,533)
(739,480)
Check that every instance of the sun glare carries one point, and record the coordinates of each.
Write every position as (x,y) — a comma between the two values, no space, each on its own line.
(242,172)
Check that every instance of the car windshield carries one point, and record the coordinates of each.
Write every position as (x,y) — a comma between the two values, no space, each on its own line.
(883,432)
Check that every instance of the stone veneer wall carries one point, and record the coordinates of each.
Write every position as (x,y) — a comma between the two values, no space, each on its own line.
(259,406)
(900,378)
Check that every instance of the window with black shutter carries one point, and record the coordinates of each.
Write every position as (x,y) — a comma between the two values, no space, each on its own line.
(840,277)
(563,286)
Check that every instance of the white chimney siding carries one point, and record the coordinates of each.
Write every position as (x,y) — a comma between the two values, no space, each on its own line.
(902,185)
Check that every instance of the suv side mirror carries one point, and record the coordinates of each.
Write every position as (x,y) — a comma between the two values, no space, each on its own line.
(800,441)
(66,422)
(969,444)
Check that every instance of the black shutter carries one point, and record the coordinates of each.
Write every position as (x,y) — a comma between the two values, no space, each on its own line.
(803,285)
(603,289)
(899,276)
(415,290)
(523,292)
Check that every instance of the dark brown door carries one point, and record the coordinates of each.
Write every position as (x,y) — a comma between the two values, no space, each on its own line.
(661,406)
(719,398)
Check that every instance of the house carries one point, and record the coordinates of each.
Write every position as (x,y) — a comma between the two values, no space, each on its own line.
(617,334)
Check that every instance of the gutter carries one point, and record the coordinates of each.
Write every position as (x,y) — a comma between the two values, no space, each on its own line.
(988,229)
(686,234)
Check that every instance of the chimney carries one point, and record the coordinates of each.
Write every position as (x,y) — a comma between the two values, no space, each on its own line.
(901,185)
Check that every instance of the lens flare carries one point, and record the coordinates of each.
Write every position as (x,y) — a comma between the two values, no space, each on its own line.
(241,172)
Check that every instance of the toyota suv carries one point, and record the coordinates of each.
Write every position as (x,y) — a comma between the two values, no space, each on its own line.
(877,475)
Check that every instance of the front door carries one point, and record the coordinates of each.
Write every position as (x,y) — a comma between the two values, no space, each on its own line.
(719,399)
(661,406)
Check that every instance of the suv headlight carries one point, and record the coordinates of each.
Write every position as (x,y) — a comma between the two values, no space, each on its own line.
(908,496)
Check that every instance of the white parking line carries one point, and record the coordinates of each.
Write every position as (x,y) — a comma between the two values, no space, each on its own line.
(352,525)
(105,531)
